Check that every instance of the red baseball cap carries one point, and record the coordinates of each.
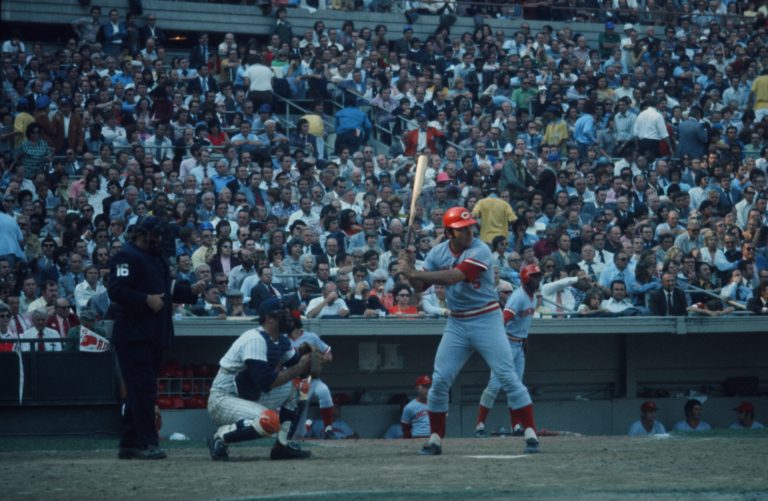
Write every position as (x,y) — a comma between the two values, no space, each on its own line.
(649,406)
(745,407)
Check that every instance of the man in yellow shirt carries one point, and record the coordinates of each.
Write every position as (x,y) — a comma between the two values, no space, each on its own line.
(495,217)
(759,96)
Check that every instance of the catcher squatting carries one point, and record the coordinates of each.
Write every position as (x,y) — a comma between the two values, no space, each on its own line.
(253,395)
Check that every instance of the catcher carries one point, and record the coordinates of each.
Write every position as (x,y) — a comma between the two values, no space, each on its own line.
(253,395)
(317,388)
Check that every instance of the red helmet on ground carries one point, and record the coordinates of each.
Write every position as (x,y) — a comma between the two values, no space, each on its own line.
(457,217)
(423,381)
(527,271)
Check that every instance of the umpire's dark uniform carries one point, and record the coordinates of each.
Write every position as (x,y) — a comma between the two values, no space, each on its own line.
(140,334)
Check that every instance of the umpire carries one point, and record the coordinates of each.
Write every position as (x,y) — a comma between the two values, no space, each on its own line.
(142,293)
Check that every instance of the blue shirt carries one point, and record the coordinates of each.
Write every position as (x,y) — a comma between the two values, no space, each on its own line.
(10,236)
(584,130)
(349,119)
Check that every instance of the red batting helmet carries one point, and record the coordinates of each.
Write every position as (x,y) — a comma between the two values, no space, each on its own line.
(528,270)
(457,217)
(423,381)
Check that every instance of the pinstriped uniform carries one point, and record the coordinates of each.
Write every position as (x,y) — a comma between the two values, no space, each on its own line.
(224,405)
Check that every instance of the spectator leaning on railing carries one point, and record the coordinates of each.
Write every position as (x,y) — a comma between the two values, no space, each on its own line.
(533,113)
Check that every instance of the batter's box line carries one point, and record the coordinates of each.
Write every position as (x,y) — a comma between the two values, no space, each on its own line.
(495,456)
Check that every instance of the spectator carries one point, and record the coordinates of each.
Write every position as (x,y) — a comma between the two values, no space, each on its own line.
(45,338)
(88,288)
(327,305)
(63,318)
(669,300)
(618,302)
(256,291)
(402,294)
(209,305)
(759,302)
(692,421)
(50,291)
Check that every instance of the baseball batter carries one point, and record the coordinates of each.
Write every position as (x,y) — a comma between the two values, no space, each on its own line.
(253,395)
(463,264)
(317,388)
(518,314)
(415,418)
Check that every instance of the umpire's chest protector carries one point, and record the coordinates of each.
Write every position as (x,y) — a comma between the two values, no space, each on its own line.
(134,274)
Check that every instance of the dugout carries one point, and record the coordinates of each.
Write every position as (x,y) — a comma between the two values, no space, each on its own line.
(585,375)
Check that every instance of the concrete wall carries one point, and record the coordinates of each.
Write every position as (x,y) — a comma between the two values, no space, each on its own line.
(247,20)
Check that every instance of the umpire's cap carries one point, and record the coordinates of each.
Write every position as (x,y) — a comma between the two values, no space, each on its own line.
(149,224)
(270,306)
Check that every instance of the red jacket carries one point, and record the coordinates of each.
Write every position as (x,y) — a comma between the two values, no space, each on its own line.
(412,140)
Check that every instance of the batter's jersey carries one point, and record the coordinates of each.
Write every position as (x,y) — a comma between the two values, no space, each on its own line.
(522,307)
(415,414)
(253,344)
(467,295)
(638,430)
(313,340)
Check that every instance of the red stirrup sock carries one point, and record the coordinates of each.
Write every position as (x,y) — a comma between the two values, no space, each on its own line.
(524,415)
(482,414)
(437,423)
(327,415)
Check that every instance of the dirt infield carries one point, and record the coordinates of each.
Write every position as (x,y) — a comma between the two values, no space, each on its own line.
(710,466)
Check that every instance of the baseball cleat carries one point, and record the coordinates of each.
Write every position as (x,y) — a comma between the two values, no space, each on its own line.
(291,450)
(517,431)
(328,433)
(480,432)
(531,442)
(218,448)
(431,449)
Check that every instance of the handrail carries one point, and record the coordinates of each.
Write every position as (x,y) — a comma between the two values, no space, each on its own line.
(292,104)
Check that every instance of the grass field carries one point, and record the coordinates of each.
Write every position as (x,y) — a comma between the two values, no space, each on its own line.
(716,465)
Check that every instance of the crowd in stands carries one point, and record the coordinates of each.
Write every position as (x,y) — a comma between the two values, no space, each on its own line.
(632,170)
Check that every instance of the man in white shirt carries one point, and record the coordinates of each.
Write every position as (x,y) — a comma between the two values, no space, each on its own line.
(330,304)
(39,331)
(650,130)
(88,288)
(618,301)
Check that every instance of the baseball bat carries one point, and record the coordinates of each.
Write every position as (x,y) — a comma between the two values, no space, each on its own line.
(418,184)
(303,400)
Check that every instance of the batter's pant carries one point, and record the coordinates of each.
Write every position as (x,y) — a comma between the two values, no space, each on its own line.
(488,397)
(485,334)
(139,365)
(227,408)
(319,390)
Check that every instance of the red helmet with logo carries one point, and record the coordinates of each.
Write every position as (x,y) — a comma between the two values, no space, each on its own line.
(423,381)
(527,271)
(457,217)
